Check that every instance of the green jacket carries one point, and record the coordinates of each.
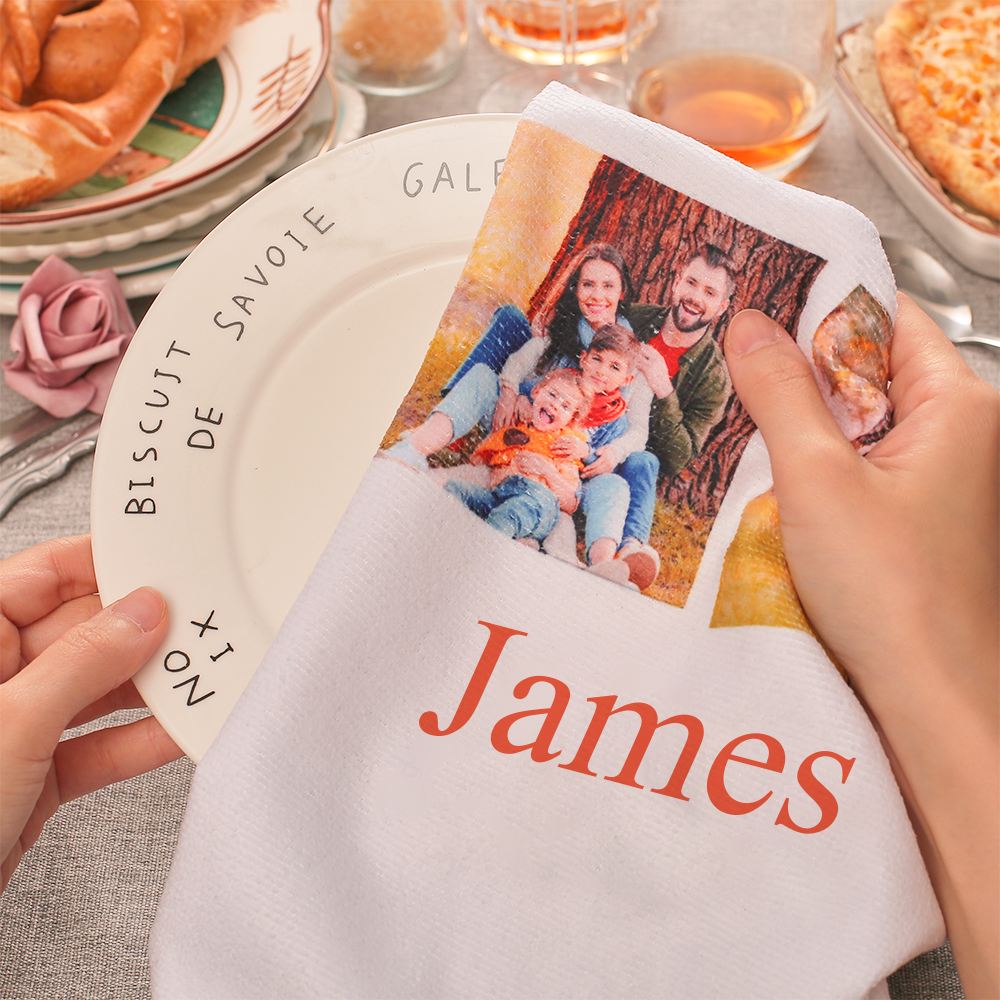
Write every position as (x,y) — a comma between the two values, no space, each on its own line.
(679,424)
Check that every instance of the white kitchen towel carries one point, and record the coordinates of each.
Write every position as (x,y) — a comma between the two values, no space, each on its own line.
(467,768)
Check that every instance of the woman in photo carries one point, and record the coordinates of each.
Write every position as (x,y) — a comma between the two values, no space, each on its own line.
(577,304)
(592,290)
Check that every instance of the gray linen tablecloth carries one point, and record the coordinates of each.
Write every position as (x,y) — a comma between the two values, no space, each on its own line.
(74,920)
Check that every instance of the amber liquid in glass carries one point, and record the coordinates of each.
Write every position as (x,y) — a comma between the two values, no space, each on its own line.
(756,110)
(530,29)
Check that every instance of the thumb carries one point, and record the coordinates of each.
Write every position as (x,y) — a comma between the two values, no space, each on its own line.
(776,385)
(83,665)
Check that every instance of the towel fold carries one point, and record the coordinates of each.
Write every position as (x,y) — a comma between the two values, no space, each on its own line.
(470,767)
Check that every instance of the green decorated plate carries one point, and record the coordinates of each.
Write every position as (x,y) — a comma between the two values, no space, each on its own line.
(228,108)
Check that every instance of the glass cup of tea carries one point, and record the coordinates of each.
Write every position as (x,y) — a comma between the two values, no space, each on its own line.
(532,30)
(751,78)
(396,47)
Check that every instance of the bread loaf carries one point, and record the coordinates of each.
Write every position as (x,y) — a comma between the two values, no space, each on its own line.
(77,85)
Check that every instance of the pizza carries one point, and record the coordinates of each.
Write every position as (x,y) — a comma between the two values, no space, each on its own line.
(939,63)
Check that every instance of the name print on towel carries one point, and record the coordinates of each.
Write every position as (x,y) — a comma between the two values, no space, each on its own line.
(604,708)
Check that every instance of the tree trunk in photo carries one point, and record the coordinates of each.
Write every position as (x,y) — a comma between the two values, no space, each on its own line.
(703,482)
(657,229)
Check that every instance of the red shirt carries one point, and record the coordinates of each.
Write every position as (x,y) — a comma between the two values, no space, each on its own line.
(670,354)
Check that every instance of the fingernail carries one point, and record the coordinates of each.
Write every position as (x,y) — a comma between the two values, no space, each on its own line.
(144,606)
(750,330)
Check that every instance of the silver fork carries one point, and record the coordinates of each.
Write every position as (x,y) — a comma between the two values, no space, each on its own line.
(41,465)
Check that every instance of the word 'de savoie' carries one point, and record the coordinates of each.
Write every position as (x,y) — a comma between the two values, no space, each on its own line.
(604,708)
(275,255)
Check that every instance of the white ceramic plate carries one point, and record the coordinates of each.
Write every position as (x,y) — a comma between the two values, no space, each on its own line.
(270,66)
(154,222)
(145,268)
(222,468)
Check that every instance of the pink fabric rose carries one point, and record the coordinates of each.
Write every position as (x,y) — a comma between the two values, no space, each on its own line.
(69,337)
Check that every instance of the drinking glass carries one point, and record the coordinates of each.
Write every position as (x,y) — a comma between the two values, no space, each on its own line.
(530,30)
(751,78)
(512,92)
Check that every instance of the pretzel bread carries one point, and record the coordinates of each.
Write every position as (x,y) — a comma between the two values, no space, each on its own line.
(76,85)
(207,26)
(85,51)
(52,145)
(24,26)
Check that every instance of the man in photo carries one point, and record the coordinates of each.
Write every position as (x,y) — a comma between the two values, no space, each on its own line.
(680,331)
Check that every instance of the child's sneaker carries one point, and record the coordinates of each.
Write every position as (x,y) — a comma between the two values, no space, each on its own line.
(643,562)
(404,452)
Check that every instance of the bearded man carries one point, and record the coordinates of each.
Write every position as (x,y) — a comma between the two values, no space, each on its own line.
(680,331)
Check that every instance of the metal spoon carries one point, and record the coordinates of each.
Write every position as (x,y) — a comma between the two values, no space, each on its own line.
(934,290)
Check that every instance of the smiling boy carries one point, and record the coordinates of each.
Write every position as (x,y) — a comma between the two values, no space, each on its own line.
(529,482)
(619,476)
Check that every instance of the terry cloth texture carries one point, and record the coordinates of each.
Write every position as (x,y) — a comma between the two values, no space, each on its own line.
(467,769)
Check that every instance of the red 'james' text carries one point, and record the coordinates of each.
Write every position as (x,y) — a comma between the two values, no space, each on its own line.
(604,708)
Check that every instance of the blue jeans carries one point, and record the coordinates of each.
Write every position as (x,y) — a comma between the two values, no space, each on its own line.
(518,508)
(507,330)
(639,471)
(604,502)
(472,399)
(619,504)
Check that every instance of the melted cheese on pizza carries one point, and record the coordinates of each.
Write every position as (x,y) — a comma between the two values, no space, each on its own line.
(958,61)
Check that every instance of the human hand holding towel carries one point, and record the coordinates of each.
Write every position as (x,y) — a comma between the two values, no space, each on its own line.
(919,637)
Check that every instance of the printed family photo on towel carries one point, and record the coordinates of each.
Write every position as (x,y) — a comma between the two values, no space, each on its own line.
(575,396)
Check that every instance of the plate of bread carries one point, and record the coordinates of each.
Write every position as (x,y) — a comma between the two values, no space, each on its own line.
(110,107)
